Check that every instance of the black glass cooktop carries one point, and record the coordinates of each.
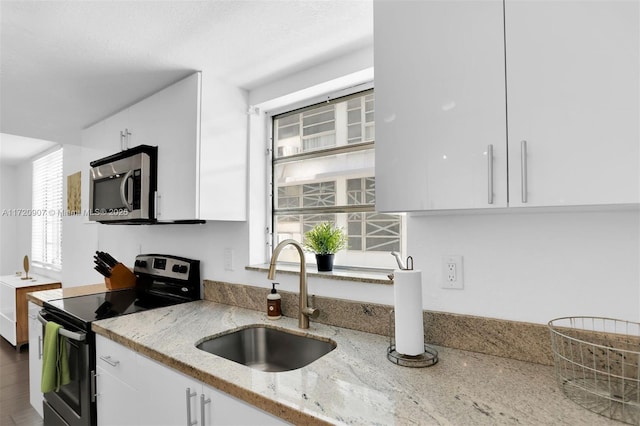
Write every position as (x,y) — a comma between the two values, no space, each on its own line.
(98,306)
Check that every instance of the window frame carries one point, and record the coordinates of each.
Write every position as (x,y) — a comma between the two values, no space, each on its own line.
(299,107)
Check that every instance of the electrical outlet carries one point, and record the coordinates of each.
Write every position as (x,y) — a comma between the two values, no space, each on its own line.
(228,259)
(452,273)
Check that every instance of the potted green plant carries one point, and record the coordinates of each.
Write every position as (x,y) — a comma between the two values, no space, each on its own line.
(325,240)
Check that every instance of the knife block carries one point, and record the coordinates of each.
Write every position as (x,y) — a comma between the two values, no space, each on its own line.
(121,277)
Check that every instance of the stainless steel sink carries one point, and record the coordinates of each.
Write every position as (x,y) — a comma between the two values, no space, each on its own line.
(267,348)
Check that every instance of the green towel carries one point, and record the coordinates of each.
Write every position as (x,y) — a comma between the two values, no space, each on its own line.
(55,364)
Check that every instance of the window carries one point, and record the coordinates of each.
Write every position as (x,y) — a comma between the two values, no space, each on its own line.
(323,168)
(46,221)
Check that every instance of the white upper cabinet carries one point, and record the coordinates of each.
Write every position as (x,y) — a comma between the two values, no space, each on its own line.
(189,151)
(170,120)
(450,121)
(573,73)
(439,87)
(107,136)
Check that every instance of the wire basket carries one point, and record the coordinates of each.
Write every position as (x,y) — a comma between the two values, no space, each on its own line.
(597,364)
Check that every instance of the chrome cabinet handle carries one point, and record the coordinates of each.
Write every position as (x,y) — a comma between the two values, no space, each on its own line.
(108,360)
(203,402)
(490,174)
(127,140)
(124,139)
(189,395)
(523,170)
(39,347)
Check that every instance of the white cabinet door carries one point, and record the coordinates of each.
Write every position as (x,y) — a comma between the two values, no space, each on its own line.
(107,136)
(170,120)
(440,105)
(225,410)
(166,397)
(35,358)
(116,401)
(169,397)
(116,381)
(573,73)
(572,84)
(223,151)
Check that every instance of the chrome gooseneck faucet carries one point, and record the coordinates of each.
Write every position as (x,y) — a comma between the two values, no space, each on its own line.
(305,312)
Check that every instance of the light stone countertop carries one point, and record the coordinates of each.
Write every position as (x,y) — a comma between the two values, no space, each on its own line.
(17,281)
(355,383)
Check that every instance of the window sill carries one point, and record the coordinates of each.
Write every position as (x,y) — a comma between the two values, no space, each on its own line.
(368,276)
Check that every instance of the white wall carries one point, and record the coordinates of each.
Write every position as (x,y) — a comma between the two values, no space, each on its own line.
(15,232)
(79,236)
(10,260)
(24,178)
(517,266)
(533,266)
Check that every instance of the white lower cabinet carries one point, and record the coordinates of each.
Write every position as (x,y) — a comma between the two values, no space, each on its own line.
(135,390)
(167,397)
(116,383)
(35,358)
(230,411)
(115,401)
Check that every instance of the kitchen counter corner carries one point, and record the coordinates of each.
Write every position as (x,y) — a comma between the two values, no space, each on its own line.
(39,297)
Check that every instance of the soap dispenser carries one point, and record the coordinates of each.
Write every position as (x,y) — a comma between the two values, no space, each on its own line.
(274,307)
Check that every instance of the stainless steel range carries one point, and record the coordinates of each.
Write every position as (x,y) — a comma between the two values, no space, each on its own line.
(161,280)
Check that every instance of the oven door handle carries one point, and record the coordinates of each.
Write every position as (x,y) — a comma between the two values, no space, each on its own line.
(80,337)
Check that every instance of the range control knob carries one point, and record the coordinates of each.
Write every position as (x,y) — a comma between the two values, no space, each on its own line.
(141,263)
(180,269)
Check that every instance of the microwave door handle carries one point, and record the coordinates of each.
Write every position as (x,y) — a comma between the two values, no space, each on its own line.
(123,187)
(130,193)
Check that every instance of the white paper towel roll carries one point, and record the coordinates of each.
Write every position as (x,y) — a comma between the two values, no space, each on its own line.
(407,290)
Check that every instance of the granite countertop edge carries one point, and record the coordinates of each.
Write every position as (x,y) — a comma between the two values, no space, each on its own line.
(355,383)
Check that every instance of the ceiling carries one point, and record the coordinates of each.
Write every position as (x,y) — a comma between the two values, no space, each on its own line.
(65,65)
(15,149)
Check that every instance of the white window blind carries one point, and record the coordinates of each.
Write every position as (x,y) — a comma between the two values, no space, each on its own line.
(46,221)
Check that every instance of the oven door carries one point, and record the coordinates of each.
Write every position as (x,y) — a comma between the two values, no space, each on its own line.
(74,404)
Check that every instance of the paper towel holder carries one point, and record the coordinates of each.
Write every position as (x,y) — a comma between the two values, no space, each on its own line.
(408,267)
(426,359)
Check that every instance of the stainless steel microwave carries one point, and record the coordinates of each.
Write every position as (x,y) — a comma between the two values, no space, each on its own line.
(123,186)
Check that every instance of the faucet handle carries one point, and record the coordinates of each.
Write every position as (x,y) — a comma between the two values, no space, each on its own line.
(312,313)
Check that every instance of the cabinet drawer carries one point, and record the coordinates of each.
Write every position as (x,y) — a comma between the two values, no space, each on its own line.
(117,360)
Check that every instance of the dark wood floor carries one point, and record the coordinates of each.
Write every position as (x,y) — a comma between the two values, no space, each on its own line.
(15,408)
